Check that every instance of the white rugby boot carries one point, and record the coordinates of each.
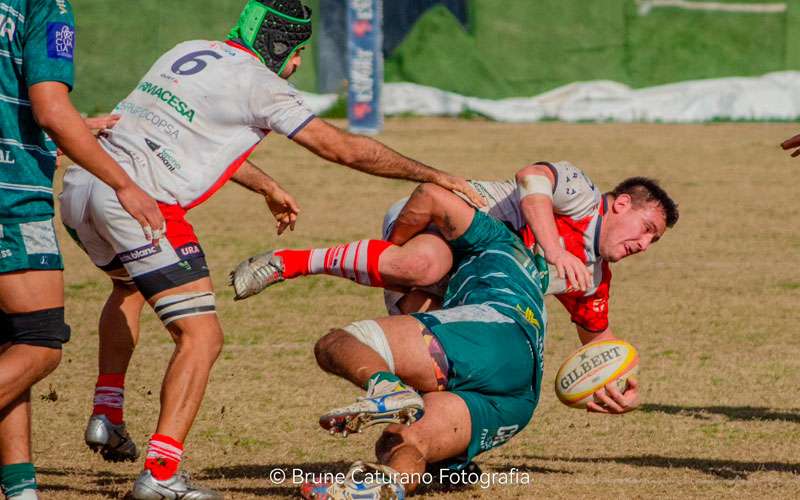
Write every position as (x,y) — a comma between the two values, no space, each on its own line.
(177,487)
(112,441)
(364,481)
(255,274)
(386,402)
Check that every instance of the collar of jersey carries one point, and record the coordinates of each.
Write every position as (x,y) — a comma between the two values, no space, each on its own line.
(239,46)
(603,208)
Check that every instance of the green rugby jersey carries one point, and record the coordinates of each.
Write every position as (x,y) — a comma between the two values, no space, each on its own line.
(494,268)
(37,41)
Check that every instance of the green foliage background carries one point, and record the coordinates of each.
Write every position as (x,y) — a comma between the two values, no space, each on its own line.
(524,47)
(118,41)
(511,48)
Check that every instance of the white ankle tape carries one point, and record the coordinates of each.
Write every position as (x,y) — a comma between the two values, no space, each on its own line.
(370,333)
(174,307)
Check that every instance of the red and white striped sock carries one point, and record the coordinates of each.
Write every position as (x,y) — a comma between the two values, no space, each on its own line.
(163,456)
(109,396)
(357,261)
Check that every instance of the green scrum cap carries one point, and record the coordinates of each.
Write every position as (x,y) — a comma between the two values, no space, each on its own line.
(274,30)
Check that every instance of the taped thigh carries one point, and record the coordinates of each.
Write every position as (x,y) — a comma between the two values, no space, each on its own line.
(184,305)
(370,333)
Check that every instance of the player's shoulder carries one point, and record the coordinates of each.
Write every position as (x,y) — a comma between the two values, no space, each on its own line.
(568,172)
(56,7)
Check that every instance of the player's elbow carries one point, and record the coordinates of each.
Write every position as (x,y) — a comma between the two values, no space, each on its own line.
(528,170)
(46,114)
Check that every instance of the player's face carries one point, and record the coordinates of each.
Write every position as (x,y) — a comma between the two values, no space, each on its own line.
(628,230)
(293,64)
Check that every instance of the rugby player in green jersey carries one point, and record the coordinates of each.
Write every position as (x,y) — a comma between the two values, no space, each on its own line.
(37,42)
(477,361)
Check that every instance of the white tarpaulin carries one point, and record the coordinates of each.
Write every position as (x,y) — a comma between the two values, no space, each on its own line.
(774,96)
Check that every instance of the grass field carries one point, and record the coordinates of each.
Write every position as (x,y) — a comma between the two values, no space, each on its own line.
(713,310)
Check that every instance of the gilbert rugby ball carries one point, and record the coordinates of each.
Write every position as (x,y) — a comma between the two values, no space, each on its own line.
(592,367)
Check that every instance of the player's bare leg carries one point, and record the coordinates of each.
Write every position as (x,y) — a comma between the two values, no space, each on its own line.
(119,327)
(106,431)
(23,365)
(342,354)
(198,342)
(190,317)
(421,262)
(445,432)
(390,359)
(15,427)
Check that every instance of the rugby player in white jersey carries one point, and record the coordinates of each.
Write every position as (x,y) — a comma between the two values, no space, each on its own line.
(554,207)
(187,127)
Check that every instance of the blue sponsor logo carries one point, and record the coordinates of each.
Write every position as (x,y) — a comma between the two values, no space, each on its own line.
(138,253)
(60,41)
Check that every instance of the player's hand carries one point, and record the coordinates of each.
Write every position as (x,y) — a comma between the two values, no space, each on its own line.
(610,400)
(460,185)
(792,143)
(283,207)
(144,209)
(570,267)
(101,122)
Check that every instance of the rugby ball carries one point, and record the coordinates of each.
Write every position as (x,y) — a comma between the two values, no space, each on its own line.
(592,367)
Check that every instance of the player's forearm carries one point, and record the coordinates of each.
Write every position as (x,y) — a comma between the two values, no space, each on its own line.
(538,213)
(254,179)
(372,157)
(66,127)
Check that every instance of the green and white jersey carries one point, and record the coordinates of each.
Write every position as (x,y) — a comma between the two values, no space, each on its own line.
(494,268)
(37,42)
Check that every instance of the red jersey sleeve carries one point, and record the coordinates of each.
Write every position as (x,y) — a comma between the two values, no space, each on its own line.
(590,312)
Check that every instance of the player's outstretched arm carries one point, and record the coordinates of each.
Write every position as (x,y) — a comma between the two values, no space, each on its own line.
(55,113)
(432,204)
(535,187)
(792,143)
(282,205)
(371,157)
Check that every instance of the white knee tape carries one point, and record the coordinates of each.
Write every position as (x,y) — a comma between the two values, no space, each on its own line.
(370,333)
(174,307)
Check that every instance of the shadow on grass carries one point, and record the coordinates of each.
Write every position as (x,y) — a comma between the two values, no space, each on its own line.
(745,413)
(722,469)
(94,481)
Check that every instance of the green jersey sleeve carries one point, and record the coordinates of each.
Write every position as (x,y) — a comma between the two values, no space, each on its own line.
(49,43)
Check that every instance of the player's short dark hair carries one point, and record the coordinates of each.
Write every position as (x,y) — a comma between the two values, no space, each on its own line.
(644,190)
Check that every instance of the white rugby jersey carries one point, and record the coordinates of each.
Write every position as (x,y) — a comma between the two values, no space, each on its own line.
(579,207)
(196,116)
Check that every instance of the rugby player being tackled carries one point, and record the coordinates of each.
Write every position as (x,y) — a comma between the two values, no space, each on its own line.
(215,102)
(476,361)
(554,207)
